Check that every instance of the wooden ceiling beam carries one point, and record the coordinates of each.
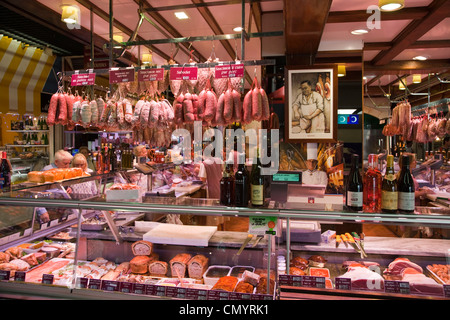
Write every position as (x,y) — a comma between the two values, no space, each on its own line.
(408,66)
(168,27)
(215,27)
(105,16)
(438,10)
(304,24)
(362,15)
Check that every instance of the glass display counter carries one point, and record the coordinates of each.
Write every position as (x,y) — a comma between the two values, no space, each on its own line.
(94,238)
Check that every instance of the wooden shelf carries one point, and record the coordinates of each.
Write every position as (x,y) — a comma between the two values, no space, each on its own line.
(27,145)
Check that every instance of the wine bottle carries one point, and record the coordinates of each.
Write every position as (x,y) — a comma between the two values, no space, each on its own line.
(406,189)
(5,173)
(354,187)
(257,185)
(372,186)
(389,194)
(242,183)
(227,186)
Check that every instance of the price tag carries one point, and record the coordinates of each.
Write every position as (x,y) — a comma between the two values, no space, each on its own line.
(447,290)
(84,79)
(313,282)
(82,283)
(20,276)
(139,288)
(126,287)
(5,275)
(343,283)
(196,294)
(109,285)
(94,284)
(263,225)
(156,74)
(218,295)
(176,292)
(391,286)
(240,296)
(183,73)
(261,297)
(229,71)
(47,278)
(121,75)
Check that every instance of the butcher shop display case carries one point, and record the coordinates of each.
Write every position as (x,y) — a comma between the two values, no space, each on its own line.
(139,249)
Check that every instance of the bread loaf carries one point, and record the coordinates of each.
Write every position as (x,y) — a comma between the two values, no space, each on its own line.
(158,268)
(142,248)
(139,264)
(227,283)
(178,264)
(197,266)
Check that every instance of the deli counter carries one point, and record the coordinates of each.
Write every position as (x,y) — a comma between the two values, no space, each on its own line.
(151,247)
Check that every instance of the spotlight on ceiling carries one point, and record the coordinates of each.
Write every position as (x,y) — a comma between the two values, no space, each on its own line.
(70,14)
(391,5)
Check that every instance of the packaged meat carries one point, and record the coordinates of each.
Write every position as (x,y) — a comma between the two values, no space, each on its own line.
(197,266)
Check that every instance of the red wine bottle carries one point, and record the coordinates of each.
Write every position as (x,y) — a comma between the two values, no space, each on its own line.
(406,189)
(354,187)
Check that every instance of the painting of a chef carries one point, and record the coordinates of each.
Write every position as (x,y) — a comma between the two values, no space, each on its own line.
(310,106)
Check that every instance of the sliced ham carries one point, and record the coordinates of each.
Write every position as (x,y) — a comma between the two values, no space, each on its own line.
(363,279)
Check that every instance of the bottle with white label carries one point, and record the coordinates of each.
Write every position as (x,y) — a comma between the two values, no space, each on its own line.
(354,187)
(405,187)
(389,193)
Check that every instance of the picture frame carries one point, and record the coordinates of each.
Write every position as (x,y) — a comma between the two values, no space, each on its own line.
(311,104)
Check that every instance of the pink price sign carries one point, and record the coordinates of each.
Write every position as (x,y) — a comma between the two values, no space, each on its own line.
(151,74)
(121,75)
(229,71)
(83,79)
(183,73)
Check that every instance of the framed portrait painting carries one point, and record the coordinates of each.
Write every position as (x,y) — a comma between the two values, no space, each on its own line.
(311,104)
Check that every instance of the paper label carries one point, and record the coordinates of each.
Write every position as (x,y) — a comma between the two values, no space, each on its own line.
(354,199)
(262,225)
(389,200)
(257,194)
(121,75)
(156,74)
(183,73)
(391,286)
(406,200)
(229,71)
(84,79)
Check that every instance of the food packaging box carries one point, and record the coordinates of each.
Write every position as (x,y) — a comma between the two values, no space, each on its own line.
(112,195)
(213,273)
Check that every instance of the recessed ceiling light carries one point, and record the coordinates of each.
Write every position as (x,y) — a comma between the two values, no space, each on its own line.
(181,15)
(237,29)
(359,31)
(420,58)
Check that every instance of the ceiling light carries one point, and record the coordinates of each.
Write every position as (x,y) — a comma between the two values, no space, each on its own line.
(358,32)
(341,71)
(146,58)
(417,78)
(237,29)
(420,58)
(181,15)
(117,38)
(401,86)
(391,5)
(70,14)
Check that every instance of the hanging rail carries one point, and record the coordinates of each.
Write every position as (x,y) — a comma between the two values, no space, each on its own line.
(167,67)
